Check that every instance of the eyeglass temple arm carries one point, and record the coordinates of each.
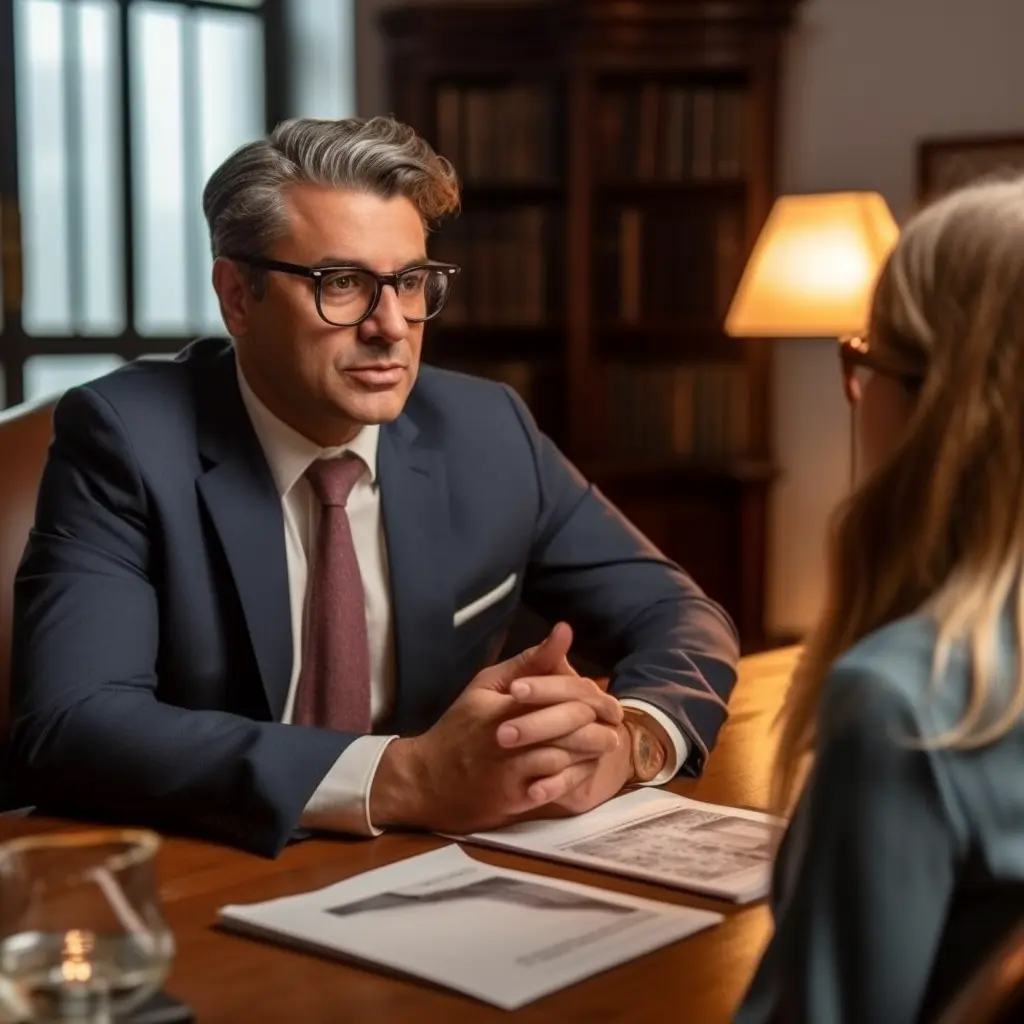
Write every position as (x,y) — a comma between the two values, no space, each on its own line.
(846,339)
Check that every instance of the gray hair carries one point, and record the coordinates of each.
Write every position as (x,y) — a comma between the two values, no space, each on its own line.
(244,199)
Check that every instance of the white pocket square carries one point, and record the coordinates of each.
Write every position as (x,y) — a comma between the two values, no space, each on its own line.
(481,604)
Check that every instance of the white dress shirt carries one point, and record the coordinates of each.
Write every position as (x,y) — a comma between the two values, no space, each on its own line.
(341,801)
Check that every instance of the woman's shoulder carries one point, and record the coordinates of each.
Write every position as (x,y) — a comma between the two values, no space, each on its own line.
(896,661)
(898,665)
(894,677)
(885,703)
(890,685)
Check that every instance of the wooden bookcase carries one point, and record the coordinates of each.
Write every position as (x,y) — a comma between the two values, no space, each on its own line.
(617,161)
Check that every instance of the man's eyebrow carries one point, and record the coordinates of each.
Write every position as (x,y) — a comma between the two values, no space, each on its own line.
(348,261)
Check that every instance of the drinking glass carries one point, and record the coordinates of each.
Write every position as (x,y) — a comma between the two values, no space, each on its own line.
(82,937)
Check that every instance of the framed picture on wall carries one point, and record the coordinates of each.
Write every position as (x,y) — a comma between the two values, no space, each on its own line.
(948,163)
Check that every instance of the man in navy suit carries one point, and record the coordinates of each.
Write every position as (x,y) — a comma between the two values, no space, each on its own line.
(268,580)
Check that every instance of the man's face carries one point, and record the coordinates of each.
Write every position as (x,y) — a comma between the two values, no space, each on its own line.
(325,381)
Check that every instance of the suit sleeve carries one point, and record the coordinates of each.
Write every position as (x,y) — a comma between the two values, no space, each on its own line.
(866,873)
(663,640)
(89,736)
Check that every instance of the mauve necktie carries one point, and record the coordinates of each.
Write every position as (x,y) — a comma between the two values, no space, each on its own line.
(334,683)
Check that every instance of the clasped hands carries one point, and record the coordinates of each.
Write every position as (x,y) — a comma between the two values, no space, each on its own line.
(527,738)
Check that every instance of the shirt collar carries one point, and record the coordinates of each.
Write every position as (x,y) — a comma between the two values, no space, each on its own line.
(288,453)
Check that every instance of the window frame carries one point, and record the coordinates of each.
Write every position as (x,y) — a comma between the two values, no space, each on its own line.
(16,346)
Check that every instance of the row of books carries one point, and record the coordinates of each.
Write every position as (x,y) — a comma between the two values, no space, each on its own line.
(499,134)
(666,265)
(692,411)
(512,262)
(698,411)
(644,131)
(644,265)
(673,132)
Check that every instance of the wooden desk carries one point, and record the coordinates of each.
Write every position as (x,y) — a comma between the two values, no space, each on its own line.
(232,979)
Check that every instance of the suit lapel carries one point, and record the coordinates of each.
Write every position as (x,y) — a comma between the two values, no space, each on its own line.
(414,503)
(244,507)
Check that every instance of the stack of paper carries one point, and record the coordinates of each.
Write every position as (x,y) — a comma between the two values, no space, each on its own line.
(658,837)
(505,937)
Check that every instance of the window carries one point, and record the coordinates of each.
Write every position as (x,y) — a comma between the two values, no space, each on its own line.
(321,40)
(112,115)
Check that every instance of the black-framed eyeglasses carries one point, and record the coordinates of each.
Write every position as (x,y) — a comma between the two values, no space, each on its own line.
(855,354)
(345,296)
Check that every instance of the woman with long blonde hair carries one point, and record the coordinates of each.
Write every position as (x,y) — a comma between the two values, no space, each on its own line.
(902,740)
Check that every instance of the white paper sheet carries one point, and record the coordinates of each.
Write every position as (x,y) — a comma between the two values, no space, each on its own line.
(658,836)
(505,937)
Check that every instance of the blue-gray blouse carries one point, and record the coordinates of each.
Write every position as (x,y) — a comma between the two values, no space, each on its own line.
(902,867)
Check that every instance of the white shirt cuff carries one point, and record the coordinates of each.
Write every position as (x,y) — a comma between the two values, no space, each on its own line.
(341,803)
(679,742)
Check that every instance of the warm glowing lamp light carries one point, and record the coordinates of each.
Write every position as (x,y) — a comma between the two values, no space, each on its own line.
(814,266)
(813,270)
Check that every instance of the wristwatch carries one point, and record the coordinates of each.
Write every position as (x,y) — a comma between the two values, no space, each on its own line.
(648,744)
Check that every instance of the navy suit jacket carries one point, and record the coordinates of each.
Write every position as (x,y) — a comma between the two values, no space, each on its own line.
(152,645)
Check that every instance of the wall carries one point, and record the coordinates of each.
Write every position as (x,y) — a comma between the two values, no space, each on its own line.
(865,79)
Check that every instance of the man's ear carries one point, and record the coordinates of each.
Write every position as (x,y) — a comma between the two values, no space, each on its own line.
(234,292)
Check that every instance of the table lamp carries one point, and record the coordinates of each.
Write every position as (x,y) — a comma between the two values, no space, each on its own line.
(813,268)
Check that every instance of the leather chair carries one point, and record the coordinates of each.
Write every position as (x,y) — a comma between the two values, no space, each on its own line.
(25,434)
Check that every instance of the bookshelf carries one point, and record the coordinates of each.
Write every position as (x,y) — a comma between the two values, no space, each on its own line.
(617,161)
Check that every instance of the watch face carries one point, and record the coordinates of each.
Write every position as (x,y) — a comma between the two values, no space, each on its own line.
(648,753)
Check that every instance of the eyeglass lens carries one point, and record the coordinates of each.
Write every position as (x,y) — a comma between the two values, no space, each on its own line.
(346,296)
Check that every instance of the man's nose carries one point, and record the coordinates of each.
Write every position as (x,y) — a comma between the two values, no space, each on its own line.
(387,322)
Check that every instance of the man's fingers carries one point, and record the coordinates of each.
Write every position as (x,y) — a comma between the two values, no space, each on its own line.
(544,762)
(548,690)
(546,725)
(563,668)
(555,787)
(548,656)
(569,726)
(548,769)
(595,740)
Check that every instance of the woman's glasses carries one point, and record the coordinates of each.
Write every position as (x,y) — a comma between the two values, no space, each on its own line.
(857,361)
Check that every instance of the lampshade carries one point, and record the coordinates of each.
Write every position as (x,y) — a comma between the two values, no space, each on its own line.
(814,266)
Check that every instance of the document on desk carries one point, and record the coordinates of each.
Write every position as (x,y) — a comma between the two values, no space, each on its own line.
(658,837)
(504,937)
